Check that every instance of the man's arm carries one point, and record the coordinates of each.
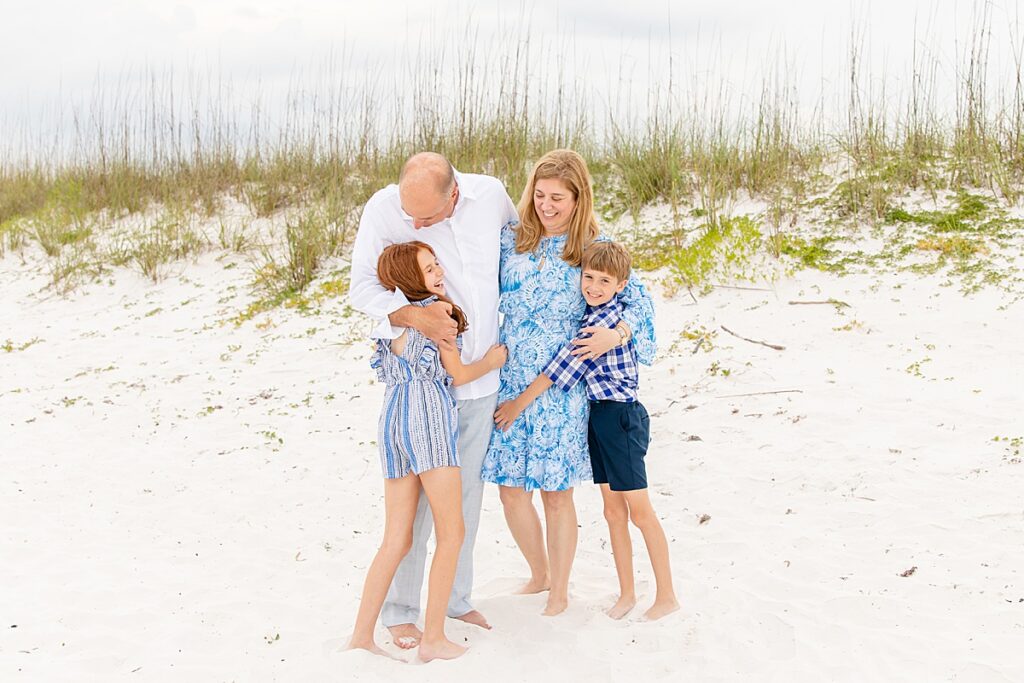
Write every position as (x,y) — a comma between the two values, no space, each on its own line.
(365,291)
(391,310)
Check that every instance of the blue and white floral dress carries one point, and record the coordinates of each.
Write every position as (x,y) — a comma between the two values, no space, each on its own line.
(546,447)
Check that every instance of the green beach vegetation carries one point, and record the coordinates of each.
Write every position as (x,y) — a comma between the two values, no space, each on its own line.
(149,177)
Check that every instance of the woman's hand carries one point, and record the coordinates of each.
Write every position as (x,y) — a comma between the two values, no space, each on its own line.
(600,342)
(506,414)
(496,356)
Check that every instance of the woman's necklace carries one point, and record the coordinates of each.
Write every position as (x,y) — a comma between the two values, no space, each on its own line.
(547,249)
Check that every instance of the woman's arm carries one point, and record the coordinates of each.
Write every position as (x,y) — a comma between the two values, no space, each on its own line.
(638,316)
(464,374)
(637,324)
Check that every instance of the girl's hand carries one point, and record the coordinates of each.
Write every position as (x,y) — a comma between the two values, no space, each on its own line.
(496,356)
(506,414)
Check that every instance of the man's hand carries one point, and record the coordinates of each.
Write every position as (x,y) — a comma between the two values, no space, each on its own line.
(434,322)
(600,341)
(506,414)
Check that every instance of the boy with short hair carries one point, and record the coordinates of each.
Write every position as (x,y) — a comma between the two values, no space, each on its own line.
(619,429)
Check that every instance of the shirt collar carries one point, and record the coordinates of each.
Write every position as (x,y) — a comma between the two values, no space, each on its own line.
(425,302)
(464,190)
(610,306)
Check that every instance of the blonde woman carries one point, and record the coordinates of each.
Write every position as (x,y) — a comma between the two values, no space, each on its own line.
(545,447)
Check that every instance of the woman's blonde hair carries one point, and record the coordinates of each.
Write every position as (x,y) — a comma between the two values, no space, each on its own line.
(569,167)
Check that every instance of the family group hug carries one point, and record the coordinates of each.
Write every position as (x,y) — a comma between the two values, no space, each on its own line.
(447,266)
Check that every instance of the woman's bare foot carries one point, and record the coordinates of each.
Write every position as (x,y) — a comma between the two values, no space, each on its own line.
(442,649)
(661,608)
(405,636)
(535,585)
(474,617)
(555,606)
(622,607)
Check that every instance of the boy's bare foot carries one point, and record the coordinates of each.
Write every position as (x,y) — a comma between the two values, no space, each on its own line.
(661,608)
(535,585)
(443,649)
(622,607)
(474,617)
(555,607)
(405,636)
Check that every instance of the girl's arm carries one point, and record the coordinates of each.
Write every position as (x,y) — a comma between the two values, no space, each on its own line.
(462,373)
(508,411)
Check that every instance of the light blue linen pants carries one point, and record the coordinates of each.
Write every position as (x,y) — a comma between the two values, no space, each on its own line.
(402,605)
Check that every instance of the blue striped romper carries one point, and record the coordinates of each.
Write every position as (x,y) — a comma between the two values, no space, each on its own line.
(419,423)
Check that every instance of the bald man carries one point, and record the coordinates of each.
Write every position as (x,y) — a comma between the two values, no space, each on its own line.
(460,215)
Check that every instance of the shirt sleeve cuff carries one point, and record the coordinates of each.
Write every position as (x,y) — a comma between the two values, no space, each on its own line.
(565,370)
(383,328)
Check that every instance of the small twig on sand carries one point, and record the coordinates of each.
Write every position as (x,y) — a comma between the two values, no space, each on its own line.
(697,347)
(832,302)
(755,341)
(690,290)
(764,393)
(745,289)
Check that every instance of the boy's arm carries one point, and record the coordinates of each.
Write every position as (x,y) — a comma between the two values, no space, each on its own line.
(564,371)
(464,374)
(508,411)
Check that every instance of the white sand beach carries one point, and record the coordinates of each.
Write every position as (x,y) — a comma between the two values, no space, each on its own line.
(184,499)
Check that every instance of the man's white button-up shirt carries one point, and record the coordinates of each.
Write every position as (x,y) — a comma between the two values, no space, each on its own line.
(467,246)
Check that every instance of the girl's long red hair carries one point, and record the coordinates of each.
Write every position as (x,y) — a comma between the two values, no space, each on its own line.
(398,268)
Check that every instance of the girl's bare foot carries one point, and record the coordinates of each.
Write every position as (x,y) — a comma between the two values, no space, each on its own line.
(370,647)
(535,585)
(474,617)
(442,649)
(555,606)
(405,636)
(622,607)
(661,608)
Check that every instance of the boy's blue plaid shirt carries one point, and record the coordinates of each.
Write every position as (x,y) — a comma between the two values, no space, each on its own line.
(612,377)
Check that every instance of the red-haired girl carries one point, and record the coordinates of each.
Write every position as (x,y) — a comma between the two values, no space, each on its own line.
(417,437)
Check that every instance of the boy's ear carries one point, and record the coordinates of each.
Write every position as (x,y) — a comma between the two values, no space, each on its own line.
(622,286)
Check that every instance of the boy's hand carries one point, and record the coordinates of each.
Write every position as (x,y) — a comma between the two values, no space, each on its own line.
(506,414)
(496,356)
(600,342)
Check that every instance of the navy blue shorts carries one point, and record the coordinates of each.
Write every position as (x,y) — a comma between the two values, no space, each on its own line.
(618,435)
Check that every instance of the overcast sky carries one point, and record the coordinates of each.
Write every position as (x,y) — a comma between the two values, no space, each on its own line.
(58,49)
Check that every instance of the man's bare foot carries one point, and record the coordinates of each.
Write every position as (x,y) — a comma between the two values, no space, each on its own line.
(622,607)
(405,636)
(661,608)
(442,649)
(474,617)
(535,585)
(555,606)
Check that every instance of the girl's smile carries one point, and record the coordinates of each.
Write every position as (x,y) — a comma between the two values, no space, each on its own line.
(433,273)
